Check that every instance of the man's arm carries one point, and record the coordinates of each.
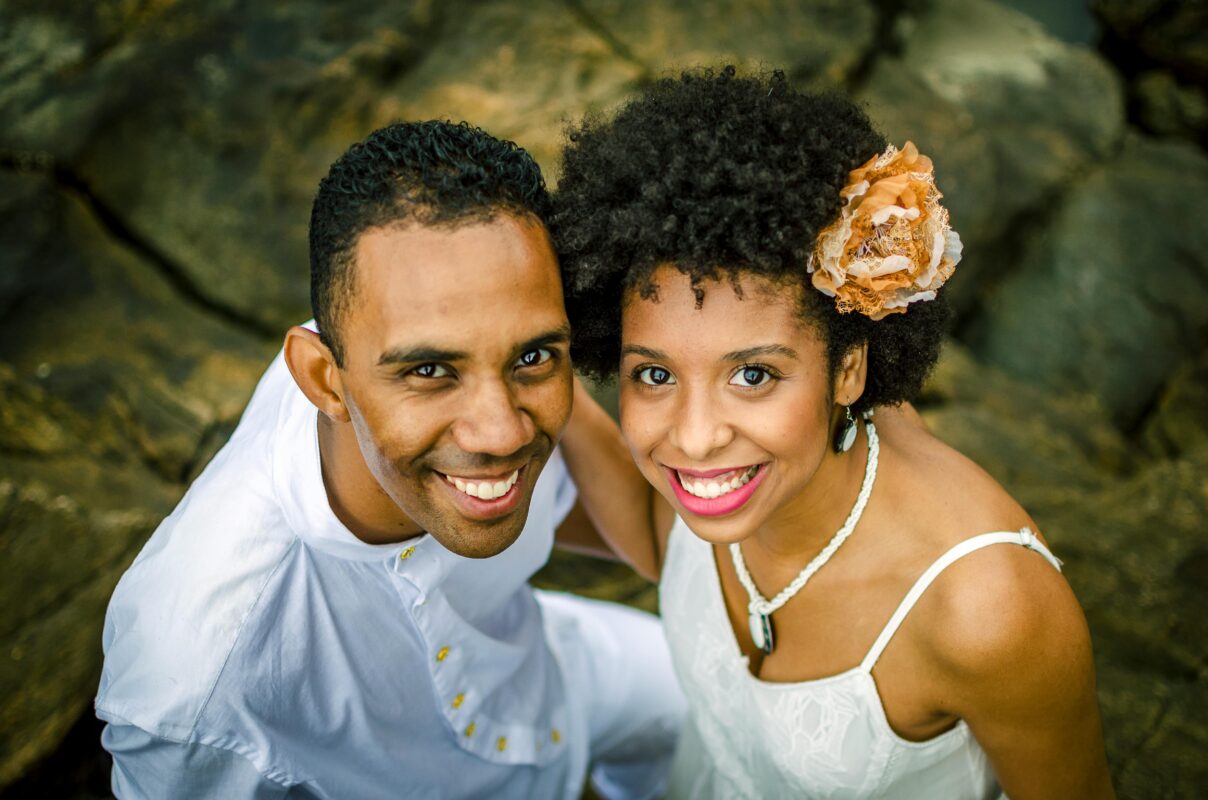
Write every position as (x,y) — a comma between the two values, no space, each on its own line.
(146,766)
(616,508)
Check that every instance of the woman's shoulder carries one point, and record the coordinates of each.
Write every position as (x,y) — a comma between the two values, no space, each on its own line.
(990,606)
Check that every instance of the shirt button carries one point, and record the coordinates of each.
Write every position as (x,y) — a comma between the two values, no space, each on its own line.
(457,701)
(555,736)
(470,729)
(406,554)
(442,654)
(502,744)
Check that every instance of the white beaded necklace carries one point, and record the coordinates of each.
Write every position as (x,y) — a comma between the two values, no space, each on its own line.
(760,610)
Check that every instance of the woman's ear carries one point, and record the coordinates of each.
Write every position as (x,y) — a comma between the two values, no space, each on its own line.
(315,371)
(853,372)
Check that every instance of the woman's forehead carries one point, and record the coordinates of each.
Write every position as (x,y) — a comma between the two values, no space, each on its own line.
(732,310)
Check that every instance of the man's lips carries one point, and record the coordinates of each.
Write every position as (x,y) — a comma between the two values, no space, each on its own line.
(487,496)
(488,487)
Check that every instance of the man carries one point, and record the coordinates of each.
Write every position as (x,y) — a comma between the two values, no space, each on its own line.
(338,607)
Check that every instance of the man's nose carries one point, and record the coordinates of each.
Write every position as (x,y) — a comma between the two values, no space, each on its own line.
(492,422)
(699,429)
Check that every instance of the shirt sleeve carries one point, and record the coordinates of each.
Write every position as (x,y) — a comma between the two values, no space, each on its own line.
(147,766)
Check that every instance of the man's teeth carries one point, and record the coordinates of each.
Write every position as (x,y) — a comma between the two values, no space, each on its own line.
(712,487)
(484,490)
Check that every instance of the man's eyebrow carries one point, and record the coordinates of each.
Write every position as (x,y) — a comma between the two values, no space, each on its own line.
(424,353)
(560,335)
(762,350)
(420,354)
(645,352)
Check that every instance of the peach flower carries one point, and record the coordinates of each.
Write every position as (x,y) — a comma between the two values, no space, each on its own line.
(891,245)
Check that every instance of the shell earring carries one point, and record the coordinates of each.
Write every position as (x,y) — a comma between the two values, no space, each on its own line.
(845,435)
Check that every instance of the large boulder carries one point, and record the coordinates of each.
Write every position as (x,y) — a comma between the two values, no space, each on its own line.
(204,128)
(1109,297)
(1169,32)
(823,41)
(1009,114)
(1176,426)
(117,390)
(1137,557)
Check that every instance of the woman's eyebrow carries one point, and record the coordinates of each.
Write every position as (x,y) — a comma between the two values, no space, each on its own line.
(645,352)
(749,353)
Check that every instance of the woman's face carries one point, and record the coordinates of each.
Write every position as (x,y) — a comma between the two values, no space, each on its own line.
(726,407)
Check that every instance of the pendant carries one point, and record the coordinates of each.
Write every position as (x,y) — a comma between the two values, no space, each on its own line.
(761,631)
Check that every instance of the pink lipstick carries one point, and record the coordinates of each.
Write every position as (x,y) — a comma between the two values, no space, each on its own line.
(718,506)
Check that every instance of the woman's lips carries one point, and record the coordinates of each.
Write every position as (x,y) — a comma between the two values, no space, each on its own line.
(724,490)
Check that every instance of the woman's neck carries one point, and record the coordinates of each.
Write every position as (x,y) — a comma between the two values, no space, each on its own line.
(807,523)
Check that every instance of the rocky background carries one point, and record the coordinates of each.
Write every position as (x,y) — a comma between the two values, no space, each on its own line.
(157,162)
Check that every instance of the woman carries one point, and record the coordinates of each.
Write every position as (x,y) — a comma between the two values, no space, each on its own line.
(862,611)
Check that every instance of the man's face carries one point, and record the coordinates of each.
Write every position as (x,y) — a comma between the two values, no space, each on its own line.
(457,374)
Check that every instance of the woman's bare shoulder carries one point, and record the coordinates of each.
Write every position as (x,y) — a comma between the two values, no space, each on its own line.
(944,498)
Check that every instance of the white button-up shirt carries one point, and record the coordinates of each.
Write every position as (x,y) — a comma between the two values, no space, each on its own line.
(257,645)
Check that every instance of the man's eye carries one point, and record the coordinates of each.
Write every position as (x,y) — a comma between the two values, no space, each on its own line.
(534,358)
(655,376)
(751,376)
(431,371)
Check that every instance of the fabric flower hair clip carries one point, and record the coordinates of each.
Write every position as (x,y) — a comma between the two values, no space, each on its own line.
(891,245)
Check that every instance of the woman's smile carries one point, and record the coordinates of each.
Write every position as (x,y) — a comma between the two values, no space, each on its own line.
(715,493)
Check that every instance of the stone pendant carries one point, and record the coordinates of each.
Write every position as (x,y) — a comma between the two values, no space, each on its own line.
(761,631)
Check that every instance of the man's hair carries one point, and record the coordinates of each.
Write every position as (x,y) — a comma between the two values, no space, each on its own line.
(432,173)
(722,176)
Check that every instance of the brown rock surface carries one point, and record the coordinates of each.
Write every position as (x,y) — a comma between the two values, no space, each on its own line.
(1109,299)
(115,390)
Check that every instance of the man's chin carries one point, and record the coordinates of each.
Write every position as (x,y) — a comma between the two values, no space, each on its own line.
(479,540)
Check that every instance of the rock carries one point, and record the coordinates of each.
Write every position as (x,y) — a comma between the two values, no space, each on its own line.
(240,116)
(1173,33)
(1067,432)
(1109,297)
(1166,108)
(115,387)
(1131,552)
(520,71)
(1009,115)
(60,562)
(61,68)
(1177,425)
(820,42)
(602,580)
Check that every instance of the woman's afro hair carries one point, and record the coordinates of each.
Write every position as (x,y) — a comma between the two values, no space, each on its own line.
(721,176)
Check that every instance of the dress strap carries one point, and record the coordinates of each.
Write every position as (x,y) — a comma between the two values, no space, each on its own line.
(1023,537)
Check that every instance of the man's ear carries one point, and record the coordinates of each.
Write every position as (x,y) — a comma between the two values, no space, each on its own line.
(853,372)
(315,371)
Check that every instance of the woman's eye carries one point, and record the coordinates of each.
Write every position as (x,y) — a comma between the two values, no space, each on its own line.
(431,371)
(751,376)
(536,357)
(655,376)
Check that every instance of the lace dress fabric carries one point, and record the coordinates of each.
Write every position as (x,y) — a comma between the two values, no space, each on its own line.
(825,738)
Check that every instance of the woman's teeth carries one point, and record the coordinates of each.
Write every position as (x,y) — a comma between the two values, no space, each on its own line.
(717,486)
(484,490)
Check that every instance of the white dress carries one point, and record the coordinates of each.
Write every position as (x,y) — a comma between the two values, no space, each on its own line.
(825,738)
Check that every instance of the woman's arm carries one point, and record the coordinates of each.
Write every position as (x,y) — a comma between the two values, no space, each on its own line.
(1017,655)
(615,498)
